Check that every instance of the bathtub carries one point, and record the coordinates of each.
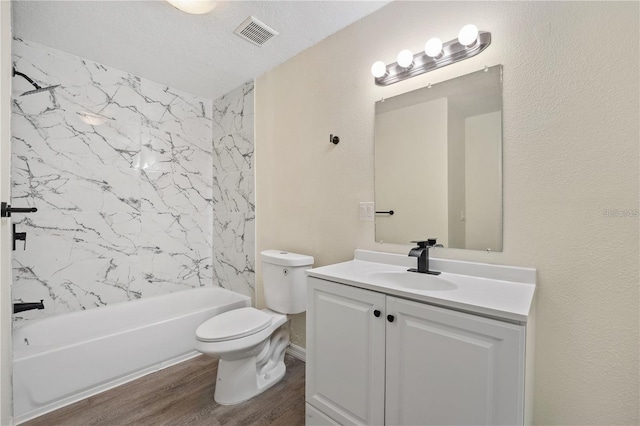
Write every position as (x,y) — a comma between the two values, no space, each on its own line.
(69,357)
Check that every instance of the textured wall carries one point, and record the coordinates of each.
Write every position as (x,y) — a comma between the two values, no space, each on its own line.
(124,207)
(571,126)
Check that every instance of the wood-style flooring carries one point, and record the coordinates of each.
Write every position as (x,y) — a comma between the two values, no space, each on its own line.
(183,395)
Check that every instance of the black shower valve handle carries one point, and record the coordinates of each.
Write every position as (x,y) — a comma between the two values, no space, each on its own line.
(19,236)
(6,209)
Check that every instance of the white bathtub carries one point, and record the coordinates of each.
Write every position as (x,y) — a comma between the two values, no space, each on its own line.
(65,358)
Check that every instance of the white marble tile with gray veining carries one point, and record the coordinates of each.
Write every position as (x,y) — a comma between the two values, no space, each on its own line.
(234,251)
(234,191)
(233,129)
(77,261)
(74,187)
(176,248)
(120,169)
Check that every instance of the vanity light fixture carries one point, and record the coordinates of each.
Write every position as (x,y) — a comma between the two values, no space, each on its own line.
(436,54)
(194,7)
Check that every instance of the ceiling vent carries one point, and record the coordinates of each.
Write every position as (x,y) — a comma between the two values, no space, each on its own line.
(255,31)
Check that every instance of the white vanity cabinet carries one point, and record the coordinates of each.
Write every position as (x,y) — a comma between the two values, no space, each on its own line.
(375,358)
(451,368)
(345,374)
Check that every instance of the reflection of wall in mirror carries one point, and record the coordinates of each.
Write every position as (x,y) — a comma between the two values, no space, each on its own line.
(457,185)
(414,188)
(483,184)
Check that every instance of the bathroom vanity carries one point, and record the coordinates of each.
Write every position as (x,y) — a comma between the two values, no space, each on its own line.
(388,346)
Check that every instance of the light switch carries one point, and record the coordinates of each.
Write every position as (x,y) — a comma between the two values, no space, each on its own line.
(367,211)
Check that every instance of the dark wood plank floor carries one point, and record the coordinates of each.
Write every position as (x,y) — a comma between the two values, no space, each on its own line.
(183,395)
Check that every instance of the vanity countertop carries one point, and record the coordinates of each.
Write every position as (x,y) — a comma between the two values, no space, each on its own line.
(499,291)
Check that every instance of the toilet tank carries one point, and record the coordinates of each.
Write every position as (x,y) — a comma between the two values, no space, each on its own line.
(284,280)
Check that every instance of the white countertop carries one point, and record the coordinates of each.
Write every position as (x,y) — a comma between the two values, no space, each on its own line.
(495,290)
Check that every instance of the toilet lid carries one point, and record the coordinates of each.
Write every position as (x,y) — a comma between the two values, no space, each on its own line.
(233,324)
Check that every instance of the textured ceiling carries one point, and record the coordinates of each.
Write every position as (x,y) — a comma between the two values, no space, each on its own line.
(199,54)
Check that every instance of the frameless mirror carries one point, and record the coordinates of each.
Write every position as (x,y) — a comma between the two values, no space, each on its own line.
(438,163)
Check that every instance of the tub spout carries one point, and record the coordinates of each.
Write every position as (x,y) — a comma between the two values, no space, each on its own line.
(19,307)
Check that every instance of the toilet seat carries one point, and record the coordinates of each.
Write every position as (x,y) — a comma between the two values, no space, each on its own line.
(233,324)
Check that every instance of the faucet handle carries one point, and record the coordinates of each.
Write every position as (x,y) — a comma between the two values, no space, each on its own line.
(429,242)
(19,236)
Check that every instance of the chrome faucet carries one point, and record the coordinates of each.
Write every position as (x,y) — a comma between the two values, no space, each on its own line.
(422,253)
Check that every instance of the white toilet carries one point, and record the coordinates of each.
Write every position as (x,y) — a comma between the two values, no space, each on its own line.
(251,342)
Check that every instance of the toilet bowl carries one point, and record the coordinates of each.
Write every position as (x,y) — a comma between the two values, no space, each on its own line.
(250,342)
(251,352)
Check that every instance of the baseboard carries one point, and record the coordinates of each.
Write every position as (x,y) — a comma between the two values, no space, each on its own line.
(298,352)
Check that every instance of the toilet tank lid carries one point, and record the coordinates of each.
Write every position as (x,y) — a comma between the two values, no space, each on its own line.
(285,258)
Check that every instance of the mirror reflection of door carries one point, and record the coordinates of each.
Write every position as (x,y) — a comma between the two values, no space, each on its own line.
(438,163)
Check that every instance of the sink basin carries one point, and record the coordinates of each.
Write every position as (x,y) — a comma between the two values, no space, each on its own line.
(412,280)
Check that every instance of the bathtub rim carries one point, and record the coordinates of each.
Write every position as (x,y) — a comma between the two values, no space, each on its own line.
(21,351)
(28,352)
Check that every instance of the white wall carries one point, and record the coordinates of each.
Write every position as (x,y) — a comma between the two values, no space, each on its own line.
(571,112)
(483,203)
(411,172)
(6,394)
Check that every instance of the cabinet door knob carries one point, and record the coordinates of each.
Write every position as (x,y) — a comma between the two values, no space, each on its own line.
(376,313)
(390,318)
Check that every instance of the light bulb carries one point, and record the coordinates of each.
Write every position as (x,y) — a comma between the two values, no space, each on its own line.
(378,69)
(195,7)
(468,35)
(405,58)
(433,48)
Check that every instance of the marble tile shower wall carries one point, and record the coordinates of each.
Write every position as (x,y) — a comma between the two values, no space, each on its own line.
(121,171)
(234,195)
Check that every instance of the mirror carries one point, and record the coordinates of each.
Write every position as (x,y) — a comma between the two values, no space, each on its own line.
(438,163)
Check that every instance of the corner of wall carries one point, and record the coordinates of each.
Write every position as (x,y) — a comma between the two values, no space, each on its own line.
(6,369)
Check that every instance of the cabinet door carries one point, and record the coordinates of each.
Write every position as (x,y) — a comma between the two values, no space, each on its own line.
(345,352)
(315,417)
(450,368)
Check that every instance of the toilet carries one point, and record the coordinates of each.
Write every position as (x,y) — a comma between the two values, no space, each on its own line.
(251,342)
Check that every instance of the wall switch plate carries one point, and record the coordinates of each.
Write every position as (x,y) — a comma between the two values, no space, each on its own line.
(367,211)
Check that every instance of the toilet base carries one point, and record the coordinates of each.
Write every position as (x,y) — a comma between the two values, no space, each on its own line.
(241,379)
(239,383)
